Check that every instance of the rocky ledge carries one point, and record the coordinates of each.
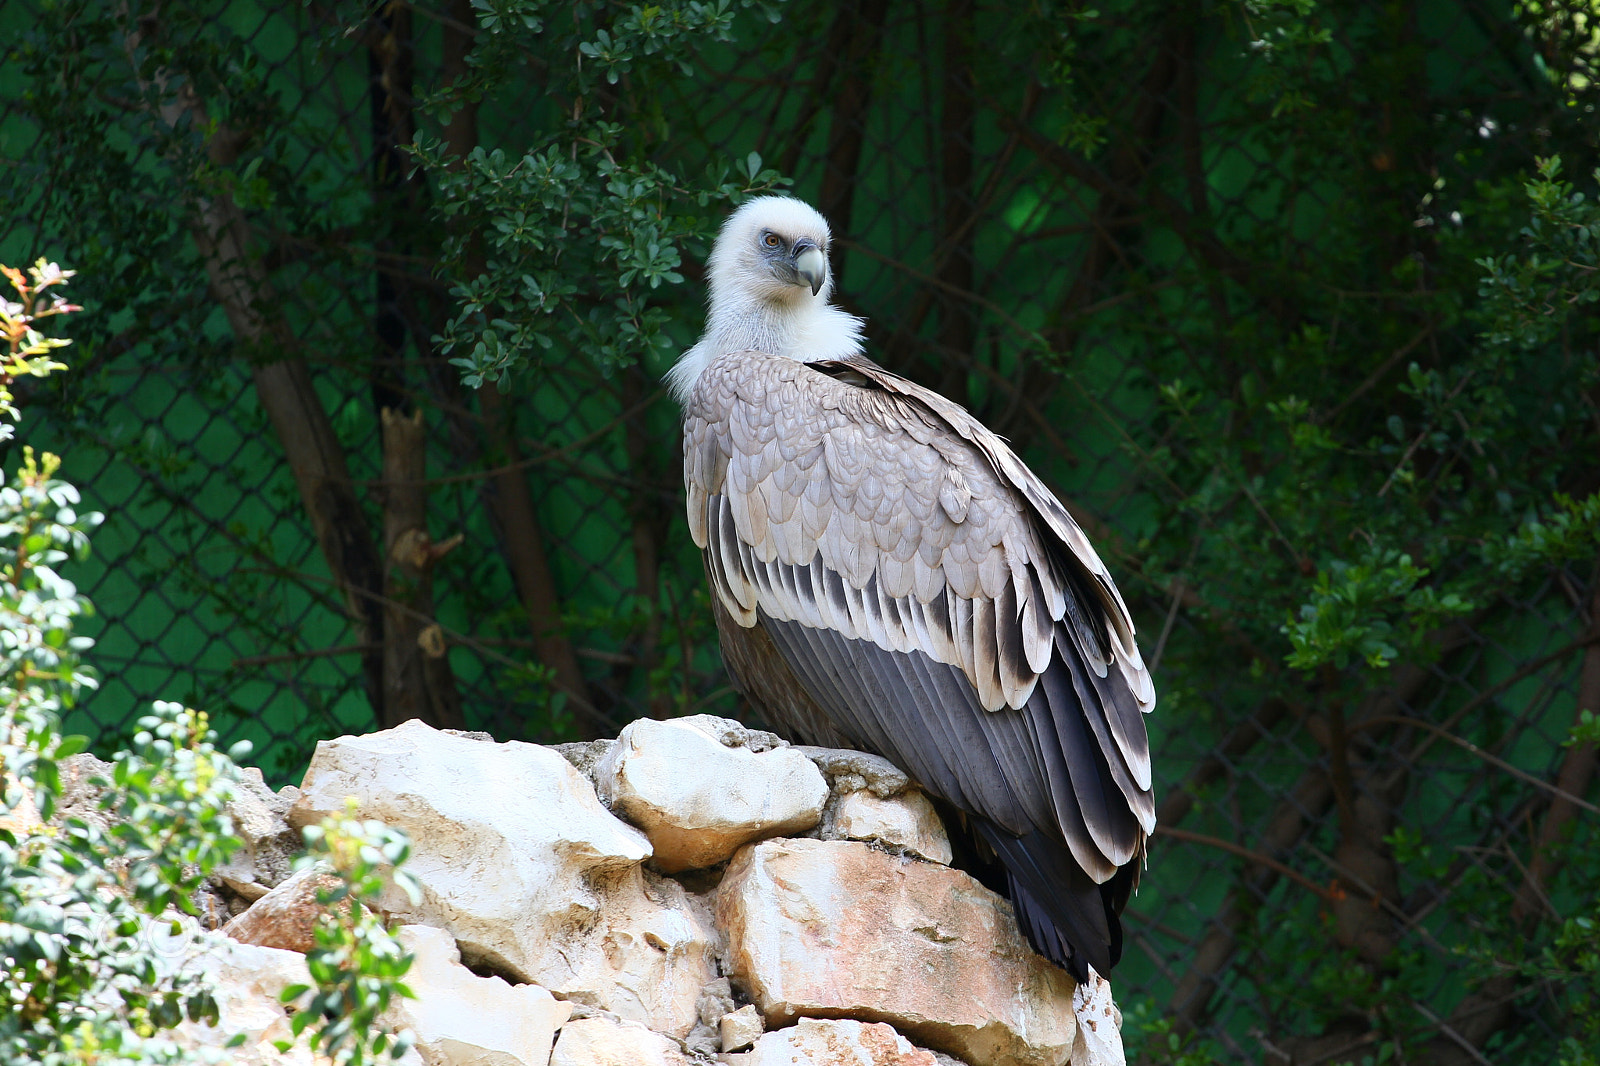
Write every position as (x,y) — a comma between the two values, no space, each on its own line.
(691,892)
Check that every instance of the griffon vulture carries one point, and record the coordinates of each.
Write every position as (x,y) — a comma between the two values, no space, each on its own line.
(887,575)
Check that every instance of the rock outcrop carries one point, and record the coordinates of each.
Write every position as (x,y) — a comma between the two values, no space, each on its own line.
(285,917)
(905,823)
(461,1019)
(610,1042)
(270,845)
(693,892)
(739,1029)
(248,980)
(836,929)
(835,1043)
(519,861)
(735,794)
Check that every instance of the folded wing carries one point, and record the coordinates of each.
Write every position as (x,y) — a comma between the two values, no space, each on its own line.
(937,604)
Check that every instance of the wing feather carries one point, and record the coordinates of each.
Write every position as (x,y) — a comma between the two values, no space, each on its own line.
(753,520)
(1070,819)
(1016,678)
(852,692)
(993,573)
(961,635)
(1055,902)
(1117,625)
(882,699)
(732,572)
(986,655)
(695,500)
(1101,808)
(941,638)
(1035,624)
(1091,694)
(985,767)
(1010,738)
(895,621)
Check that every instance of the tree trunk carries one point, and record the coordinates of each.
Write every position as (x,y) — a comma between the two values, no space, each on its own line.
(417,680)
(522,538)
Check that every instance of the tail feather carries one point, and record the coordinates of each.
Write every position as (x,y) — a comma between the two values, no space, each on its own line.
(1067,918)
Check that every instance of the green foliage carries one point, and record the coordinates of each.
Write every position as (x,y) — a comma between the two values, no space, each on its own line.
(41,670)
(567,239)
(27,349)
(1570,963)
(1559,973)
(1391,430)
(1148,1037)
(358,966)
(1425,487)
(1530,298)
(1586,730)
(1284,36)
(80,979)
(79,901)
(1569,532)
(1566,970)
(1359,610)
(41,659)
(167,800)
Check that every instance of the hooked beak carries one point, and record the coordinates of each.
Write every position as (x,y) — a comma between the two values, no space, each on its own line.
(810,264)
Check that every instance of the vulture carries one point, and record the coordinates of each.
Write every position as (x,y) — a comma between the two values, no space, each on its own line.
(888,576)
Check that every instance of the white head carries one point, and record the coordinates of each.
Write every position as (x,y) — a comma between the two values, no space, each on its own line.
(770,281)
(773,249)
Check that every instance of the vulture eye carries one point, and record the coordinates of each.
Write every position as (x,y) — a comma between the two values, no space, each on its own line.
(771,240)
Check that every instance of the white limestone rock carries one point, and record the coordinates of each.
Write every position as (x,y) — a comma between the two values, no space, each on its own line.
(585,755)
(741,1028)
(1099,1039)
(522,865)
(23,819)
(852,771)
(607,1042)
(269,843)
(716,1000)
(650,952)
(732,734)
(697,798)
(839,929)
(247,981)
(461,1019)
(819,1042)
(906,822)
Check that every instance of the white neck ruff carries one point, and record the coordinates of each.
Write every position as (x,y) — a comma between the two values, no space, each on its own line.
(807,329)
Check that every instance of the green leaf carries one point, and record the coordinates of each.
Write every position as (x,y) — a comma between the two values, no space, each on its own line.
(71,746)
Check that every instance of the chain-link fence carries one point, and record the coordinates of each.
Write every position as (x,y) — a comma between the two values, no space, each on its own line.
(1053,246)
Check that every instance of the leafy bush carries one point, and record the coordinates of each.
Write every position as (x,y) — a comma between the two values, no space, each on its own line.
(78,900)
(357,966)
(81,981)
